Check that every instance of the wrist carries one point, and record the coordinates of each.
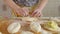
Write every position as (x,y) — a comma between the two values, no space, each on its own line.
(16,7)
(40,9)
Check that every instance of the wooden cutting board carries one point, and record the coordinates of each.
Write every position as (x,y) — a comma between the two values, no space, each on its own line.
(5,22)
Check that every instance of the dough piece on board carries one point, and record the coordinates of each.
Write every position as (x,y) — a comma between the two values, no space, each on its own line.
(14,27)
(29,19)
(0,32)
(35,27)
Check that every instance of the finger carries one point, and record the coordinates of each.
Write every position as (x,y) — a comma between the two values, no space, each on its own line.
(16,13)
(25,11)
(20,12)
(39,15)
(34,13)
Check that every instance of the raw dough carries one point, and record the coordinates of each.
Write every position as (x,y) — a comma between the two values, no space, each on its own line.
(29,19)
(14,27)
(0,32)
(35,27)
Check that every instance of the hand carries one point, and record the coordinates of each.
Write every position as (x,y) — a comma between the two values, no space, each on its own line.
(36,13)
(22,11)
(26,10)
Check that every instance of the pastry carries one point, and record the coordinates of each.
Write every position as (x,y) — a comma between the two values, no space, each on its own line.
(35,27)
(0,32)
(52,26)
(29,19)
(14,27)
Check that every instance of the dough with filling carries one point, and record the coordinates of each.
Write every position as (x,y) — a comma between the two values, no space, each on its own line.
(0,32)
(14,27)
(35,27)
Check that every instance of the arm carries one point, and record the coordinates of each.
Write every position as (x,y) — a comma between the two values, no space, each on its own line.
(11,4)
(42,4)
(17,9)
(39,8)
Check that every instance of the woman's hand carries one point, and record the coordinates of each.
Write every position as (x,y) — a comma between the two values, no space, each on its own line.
(41,5)
(17,9)
(22,11)
(26,10)
(36,13)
